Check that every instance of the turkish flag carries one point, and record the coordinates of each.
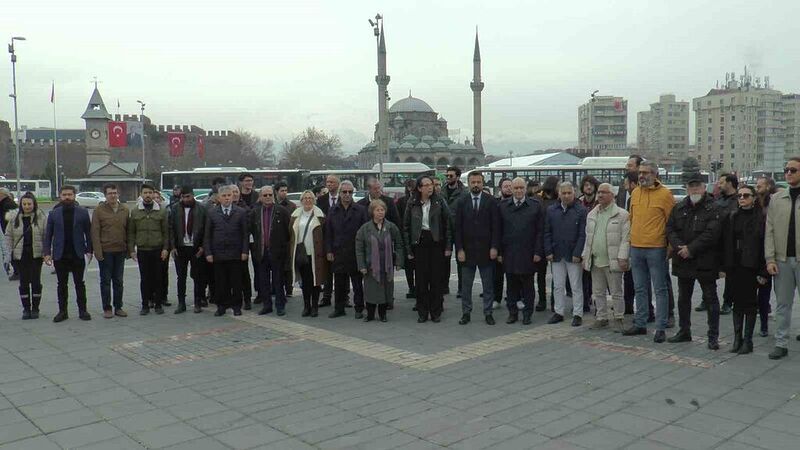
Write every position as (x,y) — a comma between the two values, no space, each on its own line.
(176,142)
(618,105)
(117,134)
(201,147)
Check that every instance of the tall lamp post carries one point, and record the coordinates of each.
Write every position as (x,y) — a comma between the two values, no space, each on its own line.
(383,96)
(144,160)
(14,96)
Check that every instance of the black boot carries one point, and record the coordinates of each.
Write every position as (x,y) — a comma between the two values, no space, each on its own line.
(370,312)
(749,327)
(25,299)
(36,299)
(306,305)
(738,323)
(315,302)
(181,306)
(382,312)
(62,312)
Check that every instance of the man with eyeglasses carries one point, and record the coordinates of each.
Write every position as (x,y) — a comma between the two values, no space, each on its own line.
(781,244)
(694,230)
(651,205)
(341,226)
(268,224)
(452,191)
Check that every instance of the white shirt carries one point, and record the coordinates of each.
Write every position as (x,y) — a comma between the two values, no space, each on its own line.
(226,210)
(426,215)
(187,235)
(305,216)
(333,201)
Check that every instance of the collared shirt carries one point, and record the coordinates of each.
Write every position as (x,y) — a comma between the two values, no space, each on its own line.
(226,210)
(426,215)
(600,241)
(332,201)
(518,202)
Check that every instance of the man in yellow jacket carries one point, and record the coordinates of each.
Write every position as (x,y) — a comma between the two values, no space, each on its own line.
(651,205)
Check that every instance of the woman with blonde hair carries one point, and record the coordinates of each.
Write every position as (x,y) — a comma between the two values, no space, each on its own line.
(24,238)
(308,251)
(379,252)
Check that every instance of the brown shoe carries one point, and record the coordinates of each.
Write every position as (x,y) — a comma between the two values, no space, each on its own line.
(120,313)
(108,314)
(598,324)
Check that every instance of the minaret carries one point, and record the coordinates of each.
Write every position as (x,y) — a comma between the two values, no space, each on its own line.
(477,87)
(383,113)
(96,117)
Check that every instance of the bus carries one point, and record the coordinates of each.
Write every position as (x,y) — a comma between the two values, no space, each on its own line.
(40,188)
(394,175)
(608,169)
(676,178)
(201,177)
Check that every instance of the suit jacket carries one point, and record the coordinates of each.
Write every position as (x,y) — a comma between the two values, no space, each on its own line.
(341,227)
(476,232)
(177,225)
(391,209)
(226,237)
(324,202)
(54,233)
(279,233)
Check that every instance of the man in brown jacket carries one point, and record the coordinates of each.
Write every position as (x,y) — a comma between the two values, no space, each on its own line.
(110,244)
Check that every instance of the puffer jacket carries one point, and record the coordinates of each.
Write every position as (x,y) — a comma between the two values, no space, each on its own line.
(14,237)
(148,228)
(618,237)
(698,227)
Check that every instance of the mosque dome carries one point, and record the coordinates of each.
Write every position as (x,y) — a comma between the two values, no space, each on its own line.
(410,104)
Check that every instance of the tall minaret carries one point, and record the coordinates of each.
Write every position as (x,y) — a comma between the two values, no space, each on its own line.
(383,113)
(477,87)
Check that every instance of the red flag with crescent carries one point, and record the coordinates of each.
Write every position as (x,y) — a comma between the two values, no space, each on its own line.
(176,143)
(201,147)
(117,134)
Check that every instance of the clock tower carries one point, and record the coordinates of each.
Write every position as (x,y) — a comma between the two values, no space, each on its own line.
(97,118)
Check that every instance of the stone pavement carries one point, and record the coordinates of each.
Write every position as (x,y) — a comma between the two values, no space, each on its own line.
(198,382)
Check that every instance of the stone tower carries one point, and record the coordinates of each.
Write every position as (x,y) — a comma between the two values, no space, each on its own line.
(477,87)
(97,118)
(382,79)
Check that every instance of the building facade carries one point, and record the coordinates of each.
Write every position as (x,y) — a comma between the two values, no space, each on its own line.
(662,133)
(603,126)
(791,125)
(740,126)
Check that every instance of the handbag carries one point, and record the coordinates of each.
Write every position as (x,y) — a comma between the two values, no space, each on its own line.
(300,255)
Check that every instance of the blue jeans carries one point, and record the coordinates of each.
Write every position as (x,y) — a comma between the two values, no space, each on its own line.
(112,268)
(650,265)
(487,282)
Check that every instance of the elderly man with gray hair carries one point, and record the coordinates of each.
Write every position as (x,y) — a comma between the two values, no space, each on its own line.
(605,256)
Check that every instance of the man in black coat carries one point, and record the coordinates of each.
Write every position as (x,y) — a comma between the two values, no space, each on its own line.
(521,248)
(499,274)
(269,227)
(325,202)
(693,231)
(226,247)
(376,191)
(477,239)
(402,203)
(341,226)
(186,221)
(726,202)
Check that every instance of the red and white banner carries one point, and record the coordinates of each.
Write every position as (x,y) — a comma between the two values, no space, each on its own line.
(201,147)
(117,134)
(176,143)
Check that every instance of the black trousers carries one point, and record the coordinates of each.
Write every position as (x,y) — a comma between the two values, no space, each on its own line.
(247,282)
(685,291)
(186,263)
(327,288)
(744,289)
(728,293)
(310,292)
(629,291)
(498,281)
(430,260)
(269,274)
(228,284)
(151,270)
(65,267)
(541,279)
(342,283)
(409,270)
(30,281)
(164,279)
(586,283)
(520,287)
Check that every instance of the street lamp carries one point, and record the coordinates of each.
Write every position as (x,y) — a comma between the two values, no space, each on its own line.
(141,119)
(14,96)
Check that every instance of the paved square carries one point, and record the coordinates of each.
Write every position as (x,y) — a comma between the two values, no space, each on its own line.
(194,381)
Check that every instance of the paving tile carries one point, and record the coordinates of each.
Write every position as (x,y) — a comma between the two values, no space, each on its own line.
(34,443)
(143,421)
(118,443)
(167,436)
(767,439)
(50,407)
(684,438)
(84,435)
(16,431)
(69,419)
(250,436)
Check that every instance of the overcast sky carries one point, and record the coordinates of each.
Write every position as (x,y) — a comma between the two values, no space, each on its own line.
(275,67)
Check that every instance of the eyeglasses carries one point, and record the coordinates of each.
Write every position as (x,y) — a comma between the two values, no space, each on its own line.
(267,195)
(792,170)
(346,192)
(745,195)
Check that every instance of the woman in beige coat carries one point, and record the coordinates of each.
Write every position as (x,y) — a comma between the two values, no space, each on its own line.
(308,253)
(24,237)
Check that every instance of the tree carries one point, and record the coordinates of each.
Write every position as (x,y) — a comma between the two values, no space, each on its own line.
(312,149)
(258,147)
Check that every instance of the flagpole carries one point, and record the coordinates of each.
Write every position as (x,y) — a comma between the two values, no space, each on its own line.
(55,134)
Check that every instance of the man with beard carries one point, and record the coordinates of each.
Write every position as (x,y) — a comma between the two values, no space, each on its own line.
(325,202)
(693,231)
(186,222)
(148,245)
(477,240)
(67,238)
(728,184)
(247,195)
(452,192)
(588,199)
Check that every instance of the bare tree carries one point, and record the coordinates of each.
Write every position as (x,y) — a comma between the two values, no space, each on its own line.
(312,149)
(258,147)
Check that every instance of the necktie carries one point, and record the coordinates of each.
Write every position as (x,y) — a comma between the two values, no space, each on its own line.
(475,204)
(333,201)
(227,212)
(518,203)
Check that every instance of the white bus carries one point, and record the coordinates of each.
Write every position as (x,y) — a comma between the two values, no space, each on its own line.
(201,177)
(40,188)
(394,176)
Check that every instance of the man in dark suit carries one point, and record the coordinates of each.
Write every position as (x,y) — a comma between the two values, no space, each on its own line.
(477,236)
(269,226)
(186,221)
(376,192)
(226,246)
(325,202)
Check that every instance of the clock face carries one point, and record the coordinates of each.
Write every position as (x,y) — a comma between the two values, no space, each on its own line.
(95,134)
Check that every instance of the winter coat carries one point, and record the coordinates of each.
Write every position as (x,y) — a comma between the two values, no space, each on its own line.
(650,210)
(14,235)
(618,237)
(477,233)
(565,231)
(439,221)
(279,233)
(341,226)
(522,234)
(54,233)
(392,215)
(751,247)
(375,291)
(148,228)
(226,237)
(109,229)
(777,228)
(698,227)
(177,225)
(319,263)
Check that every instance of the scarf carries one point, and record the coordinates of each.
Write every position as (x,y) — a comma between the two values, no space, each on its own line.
(375,256)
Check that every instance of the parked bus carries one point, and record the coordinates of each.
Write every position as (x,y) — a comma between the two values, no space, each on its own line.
(40,188)
(201,177)
(394,176)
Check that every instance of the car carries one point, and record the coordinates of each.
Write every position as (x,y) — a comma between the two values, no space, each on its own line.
(202,197)
(678,192)
(90,199)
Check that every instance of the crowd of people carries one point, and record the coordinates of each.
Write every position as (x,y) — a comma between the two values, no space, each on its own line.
(608,250)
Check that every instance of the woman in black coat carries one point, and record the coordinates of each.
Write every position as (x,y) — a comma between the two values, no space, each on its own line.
(744,266)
